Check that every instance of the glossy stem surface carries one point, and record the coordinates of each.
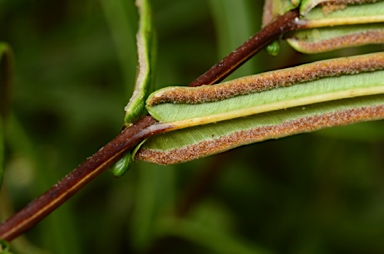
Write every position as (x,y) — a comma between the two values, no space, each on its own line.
(78,178)
(131,136)
(231,62)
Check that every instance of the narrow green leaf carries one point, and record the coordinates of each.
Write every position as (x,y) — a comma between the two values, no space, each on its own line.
(216,241)
(265,106)
(315,82)
(201,141)
(341,24)
(146,59)
(307,5)
(352,14)
(120,15)
(232,32)
(312,41)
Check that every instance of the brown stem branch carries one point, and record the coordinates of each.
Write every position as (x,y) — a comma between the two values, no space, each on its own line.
(79,177)
(231,62)
(129,137)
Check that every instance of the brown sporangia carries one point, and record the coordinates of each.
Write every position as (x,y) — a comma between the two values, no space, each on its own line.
(243,137)
(269,80)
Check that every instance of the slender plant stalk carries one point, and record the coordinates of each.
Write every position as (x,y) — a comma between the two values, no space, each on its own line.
(231,62)
(79,177)
(129,137)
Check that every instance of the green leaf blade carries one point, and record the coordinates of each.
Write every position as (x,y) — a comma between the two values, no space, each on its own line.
(313,41)
(146,58)
(201,141)
(291,87)
(295,100)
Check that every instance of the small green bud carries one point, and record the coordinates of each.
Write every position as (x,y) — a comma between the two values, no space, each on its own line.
(273,48)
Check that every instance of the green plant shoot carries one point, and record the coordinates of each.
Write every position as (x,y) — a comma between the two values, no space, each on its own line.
(146,56)
(146,51)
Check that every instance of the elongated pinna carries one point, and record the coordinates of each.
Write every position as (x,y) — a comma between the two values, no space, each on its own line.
(328,25)
(264,106)
(319,81)
(339,26)
(146,57)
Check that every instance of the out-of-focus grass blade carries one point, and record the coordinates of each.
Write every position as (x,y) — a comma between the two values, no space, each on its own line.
(212,239)
(6,64)
(364,132)
(231,32)
(122,19)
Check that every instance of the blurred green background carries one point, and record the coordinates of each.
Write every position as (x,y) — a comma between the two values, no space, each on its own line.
(75,64)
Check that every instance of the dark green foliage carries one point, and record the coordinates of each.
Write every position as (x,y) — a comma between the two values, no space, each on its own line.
(4,247)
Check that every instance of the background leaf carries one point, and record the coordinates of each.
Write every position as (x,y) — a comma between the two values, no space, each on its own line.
(1,153)
(6,72)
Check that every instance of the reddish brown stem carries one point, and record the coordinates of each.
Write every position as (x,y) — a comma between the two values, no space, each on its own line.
(230,63)
(79,177)
(128,138)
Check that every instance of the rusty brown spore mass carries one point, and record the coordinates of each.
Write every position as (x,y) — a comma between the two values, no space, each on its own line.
(224,143)
(356,39)
(269,80)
